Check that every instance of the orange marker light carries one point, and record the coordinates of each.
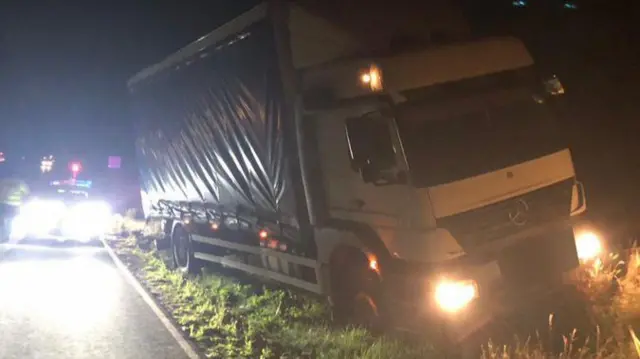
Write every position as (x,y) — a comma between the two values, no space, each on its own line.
(263,234)
(372,78)
(373,264)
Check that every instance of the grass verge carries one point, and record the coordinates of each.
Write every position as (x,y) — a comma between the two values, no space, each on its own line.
(231,320)
(611,293)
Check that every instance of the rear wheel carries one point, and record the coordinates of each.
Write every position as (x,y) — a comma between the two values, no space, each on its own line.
(182,252)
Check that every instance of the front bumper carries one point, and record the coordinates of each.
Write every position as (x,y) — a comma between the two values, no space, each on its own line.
(513,278)
(488,312)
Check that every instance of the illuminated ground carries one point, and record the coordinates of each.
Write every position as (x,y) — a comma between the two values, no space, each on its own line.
(75,304)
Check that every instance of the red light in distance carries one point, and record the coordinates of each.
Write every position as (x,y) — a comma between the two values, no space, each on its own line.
(75,167)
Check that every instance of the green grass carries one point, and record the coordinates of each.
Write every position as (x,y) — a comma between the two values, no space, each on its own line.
(612,297)
(231,320)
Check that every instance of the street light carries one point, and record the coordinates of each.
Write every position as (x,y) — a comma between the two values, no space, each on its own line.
(46,165)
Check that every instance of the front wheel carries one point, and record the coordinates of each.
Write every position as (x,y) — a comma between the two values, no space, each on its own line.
(182,252)
(358,299)
(366,312)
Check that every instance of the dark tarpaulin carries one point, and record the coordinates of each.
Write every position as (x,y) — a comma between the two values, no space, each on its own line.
(209,130)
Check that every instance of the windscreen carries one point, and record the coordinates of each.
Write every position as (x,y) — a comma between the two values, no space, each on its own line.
(465,136)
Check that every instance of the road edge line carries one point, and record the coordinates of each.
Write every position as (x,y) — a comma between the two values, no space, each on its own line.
(168,323)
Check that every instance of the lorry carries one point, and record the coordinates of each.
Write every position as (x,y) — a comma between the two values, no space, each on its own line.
(406,186)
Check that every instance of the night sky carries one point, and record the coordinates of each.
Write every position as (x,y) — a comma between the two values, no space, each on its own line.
(63,70)
(64,65)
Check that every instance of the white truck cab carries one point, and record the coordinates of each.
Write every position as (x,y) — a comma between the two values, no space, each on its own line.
(453,158)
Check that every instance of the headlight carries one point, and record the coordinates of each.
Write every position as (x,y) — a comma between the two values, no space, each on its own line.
(454,295)
(588,245)
(37,217)
(19,227)
(372,78)
(87,219)
(43,208)
(92,209)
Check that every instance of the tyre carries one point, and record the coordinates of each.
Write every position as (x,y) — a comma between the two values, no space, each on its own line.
(182,252)
(358,297)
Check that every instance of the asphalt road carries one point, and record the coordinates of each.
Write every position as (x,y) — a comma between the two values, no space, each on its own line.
(73,304)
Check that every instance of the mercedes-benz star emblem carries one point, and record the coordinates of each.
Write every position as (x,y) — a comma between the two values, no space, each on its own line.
(518,213)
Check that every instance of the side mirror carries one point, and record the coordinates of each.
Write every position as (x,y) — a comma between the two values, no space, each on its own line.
(553,86)
(548,90)
(371,148)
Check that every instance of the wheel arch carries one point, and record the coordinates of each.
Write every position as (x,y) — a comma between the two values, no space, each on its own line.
(342,242)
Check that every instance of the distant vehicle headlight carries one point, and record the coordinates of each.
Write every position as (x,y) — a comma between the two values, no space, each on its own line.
(37,217)
(43,208)
(92,208)
(87,219)
(452,296)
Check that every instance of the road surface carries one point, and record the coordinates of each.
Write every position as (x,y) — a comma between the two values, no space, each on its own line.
(72,304)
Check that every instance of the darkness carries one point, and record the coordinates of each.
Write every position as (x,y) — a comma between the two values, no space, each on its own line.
(64,66)
(63,70)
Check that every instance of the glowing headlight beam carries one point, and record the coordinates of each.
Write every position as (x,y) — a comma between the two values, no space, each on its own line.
(453,296)
(372,78)
(37,217)
(588,245)
(87,220)
(39,207)
(94,208)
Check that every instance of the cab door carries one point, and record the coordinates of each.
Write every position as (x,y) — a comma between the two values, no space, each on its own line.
(364,174)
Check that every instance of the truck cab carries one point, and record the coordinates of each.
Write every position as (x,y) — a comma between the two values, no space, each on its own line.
(453,158)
